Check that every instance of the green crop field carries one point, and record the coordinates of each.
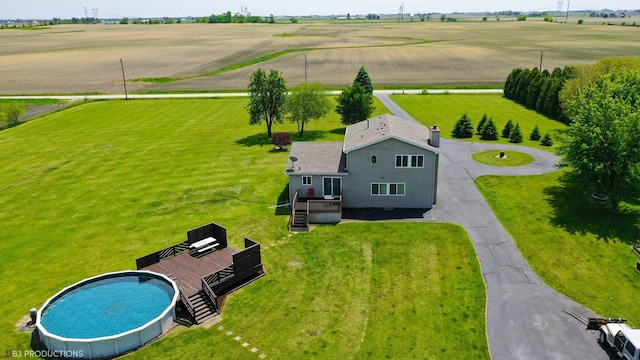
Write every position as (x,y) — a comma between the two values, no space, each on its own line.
(89,189)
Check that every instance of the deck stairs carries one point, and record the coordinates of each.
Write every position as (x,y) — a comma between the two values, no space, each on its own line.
(202,306)
(299,221)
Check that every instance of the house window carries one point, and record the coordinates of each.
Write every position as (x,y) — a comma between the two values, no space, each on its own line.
(331,186)
(409,161)
(374,159)
(306,180)
(388,189)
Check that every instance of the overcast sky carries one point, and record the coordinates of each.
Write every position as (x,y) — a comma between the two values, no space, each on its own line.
(47,9)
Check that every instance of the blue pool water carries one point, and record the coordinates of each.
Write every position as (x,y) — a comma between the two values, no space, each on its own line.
(107,306)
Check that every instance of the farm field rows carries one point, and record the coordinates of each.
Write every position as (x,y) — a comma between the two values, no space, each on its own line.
(73,59)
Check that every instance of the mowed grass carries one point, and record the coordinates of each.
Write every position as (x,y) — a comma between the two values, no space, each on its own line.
(577,246)
(445,110)
(352,291)
(89,189)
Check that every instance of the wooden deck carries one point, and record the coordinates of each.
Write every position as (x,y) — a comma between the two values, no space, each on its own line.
(187,269)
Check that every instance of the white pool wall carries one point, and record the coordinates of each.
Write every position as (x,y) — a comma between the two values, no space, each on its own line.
(109,346)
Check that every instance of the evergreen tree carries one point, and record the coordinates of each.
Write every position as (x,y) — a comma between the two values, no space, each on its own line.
(506,131)
(364,80)
(516,135)
(535,134)
(354,105)
(463,128)
(546,140)
(489,130)
(481,124)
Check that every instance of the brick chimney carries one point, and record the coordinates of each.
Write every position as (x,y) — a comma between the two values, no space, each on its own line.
(434,136)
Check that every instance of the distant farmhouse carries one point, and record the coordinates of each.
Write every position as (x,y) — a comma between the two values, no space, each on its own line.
(384,162)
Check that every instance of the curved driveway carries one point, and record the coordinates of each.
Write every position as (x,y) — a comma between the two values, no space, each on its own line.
(525,317)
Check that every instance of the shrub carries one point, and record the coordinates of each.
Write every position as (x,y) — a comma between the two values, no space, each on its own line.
(463,128)
(516,135)
(489,130)
(481,124)
(580,22)
(521,18)
(546,140)
(281,139)
(506,131)
(535,134)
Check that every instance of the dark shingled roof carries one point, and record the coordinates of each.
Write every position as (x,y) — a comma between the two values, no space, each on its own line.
(384,127)
(317,157)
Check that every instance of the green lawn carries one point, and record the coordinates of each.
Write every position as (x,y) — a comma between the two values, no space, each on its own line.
(352,291)
(577,246)
(445,110)
(89,189)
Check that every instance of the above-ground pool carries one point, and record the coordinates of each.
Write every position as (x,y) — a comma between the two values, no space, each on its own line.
(108,315)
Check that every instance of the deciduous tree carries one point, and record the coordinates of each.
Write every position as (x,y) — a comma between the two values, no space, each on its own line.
(601,148)
(12,112)
(267,97)
(307,101)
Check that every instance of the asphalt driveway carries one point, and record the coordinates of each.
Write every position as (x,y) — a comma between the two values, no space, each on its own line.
(526,319)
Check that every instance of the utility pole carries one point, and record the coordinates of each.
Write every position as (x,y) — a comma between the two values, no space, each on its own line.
(306,65)
(541,54)
(86,16)
(124,81)
(567,18)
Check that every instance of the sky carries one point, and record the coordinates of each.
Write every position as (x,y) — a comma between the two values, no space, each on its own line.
(66,9)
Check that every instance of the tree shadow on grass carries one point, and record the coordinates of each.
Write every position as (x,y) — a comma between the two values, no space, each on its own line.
(578,214)
(259,139)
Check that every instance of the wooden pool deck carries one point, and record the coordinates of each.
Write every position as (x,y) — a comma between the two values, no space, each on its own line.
(188,268)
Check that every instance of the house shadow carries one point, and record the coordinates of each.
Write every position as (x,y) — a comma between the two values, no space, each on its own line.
(282,206)
(377,214)
(579,214)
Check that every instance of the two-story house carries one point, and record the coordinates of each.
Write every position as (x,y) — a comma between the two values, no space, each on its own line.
(384,162)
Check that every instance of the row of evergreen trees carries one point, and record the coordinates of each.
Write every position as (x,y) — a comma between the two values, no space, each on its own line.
(538,90)
(487,130)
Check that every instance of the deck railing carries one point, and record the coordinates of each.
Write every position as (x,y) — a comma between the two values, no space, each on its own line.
(186,304)
(163,254)
(212,296)
(324,206)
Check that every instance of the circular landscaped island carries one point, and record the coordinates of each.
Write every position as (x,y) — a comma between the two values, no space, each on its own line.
(502,158)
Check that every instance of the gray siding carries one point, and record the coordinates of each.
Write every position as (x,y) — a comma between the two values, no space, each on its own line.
(295,184)
(420,182)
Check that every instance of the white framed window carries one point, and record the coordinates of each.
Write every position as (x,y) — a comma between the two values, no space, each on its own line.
(409,161)
(331,186)
(388,189)
(306,180)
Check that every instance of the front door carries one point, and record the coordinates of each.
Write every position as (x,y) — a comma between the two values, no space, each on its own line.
(332,186)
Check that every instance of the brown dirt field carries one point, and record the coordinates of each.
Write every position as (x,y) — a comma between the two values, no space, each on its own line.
(72,59)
